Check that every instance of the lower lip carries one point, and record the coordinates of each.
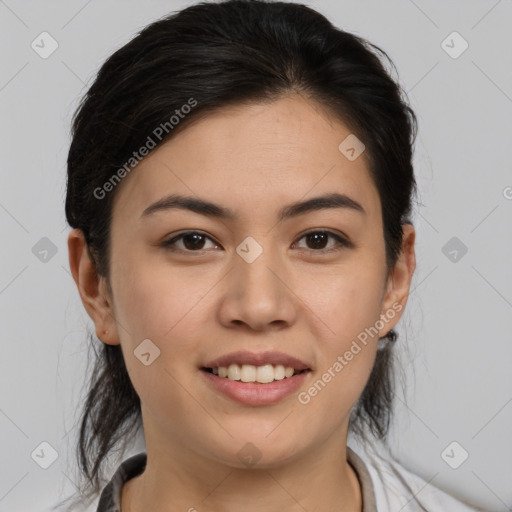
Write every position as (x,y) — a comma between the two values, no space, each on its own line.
(253,393)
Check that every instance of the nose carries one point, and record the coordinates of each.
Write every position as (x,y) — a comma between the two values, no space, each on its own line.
(259,294)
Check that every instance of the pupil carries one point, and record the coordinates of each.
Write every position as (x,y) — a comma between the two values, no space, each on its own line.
(315,235)
(192,245)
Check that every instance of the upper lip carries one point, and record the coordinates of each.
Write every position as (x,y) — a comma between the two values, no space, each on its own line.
(258,359)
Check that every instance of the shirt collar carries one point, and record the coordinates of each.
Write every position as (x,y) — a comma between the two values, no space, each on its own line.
(110,499)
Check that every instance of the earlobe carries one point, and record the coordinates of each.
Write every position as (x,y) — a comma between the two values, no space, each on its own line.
(92,288)
(399,281)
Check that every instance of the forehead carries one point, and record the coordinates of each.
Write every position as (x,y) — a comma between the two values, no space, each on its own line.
(256,156)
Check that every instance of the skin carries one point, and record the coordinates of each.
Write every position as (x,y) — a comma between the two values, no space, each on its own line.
(195,307)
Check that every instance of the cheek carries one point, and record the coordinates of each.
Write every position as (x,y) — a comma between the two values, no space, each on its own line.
(150,305)
(352,301)
(346,355)
(351,309)
(154,301)
(170,307)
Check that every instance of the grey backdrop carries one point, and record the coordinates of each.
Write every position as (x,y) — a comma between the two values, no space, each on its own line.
(457,324)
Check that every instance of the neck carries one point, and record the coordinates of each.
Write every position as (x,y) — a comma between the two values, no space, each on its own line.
(321,480)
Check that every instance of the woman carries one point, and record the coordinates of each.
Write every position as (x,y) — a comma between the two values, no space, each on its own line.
(240,186)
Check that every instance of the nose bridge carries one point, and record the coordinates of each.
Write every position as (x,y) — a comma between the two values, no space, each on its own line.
(257,293)
(254,264)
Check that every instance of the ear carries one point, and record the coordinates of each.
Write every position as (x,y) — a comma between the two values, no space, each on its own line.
(92,288)
(399,281)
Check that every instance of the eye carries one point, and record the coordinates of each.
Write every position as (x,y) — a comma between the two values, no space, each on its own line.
(194,241)
(319,238)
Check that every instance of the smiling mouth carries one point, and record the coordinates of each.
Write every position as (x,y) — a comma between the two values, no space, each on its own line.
(255,374)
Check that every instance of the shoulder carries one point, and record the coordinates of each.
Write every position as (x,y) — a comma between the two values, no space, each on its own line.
(110,499)
(397,488)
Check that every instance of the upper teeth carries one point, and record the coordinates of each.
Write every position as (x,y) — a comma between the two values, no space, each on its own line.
(250,373)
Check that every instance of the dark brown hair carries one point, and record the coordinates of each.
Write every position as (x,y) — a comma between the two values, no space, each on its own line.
(220,54)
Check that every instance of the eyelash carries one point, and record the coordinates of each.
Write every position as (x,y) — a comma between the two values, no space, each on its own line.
(341,242)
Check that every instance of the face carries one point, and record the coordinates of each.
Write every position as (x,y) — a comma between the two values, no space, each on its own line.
(311,285)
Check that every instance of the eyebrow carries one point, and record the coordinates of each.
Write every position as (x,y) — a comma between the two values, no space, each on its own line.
(210,209)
